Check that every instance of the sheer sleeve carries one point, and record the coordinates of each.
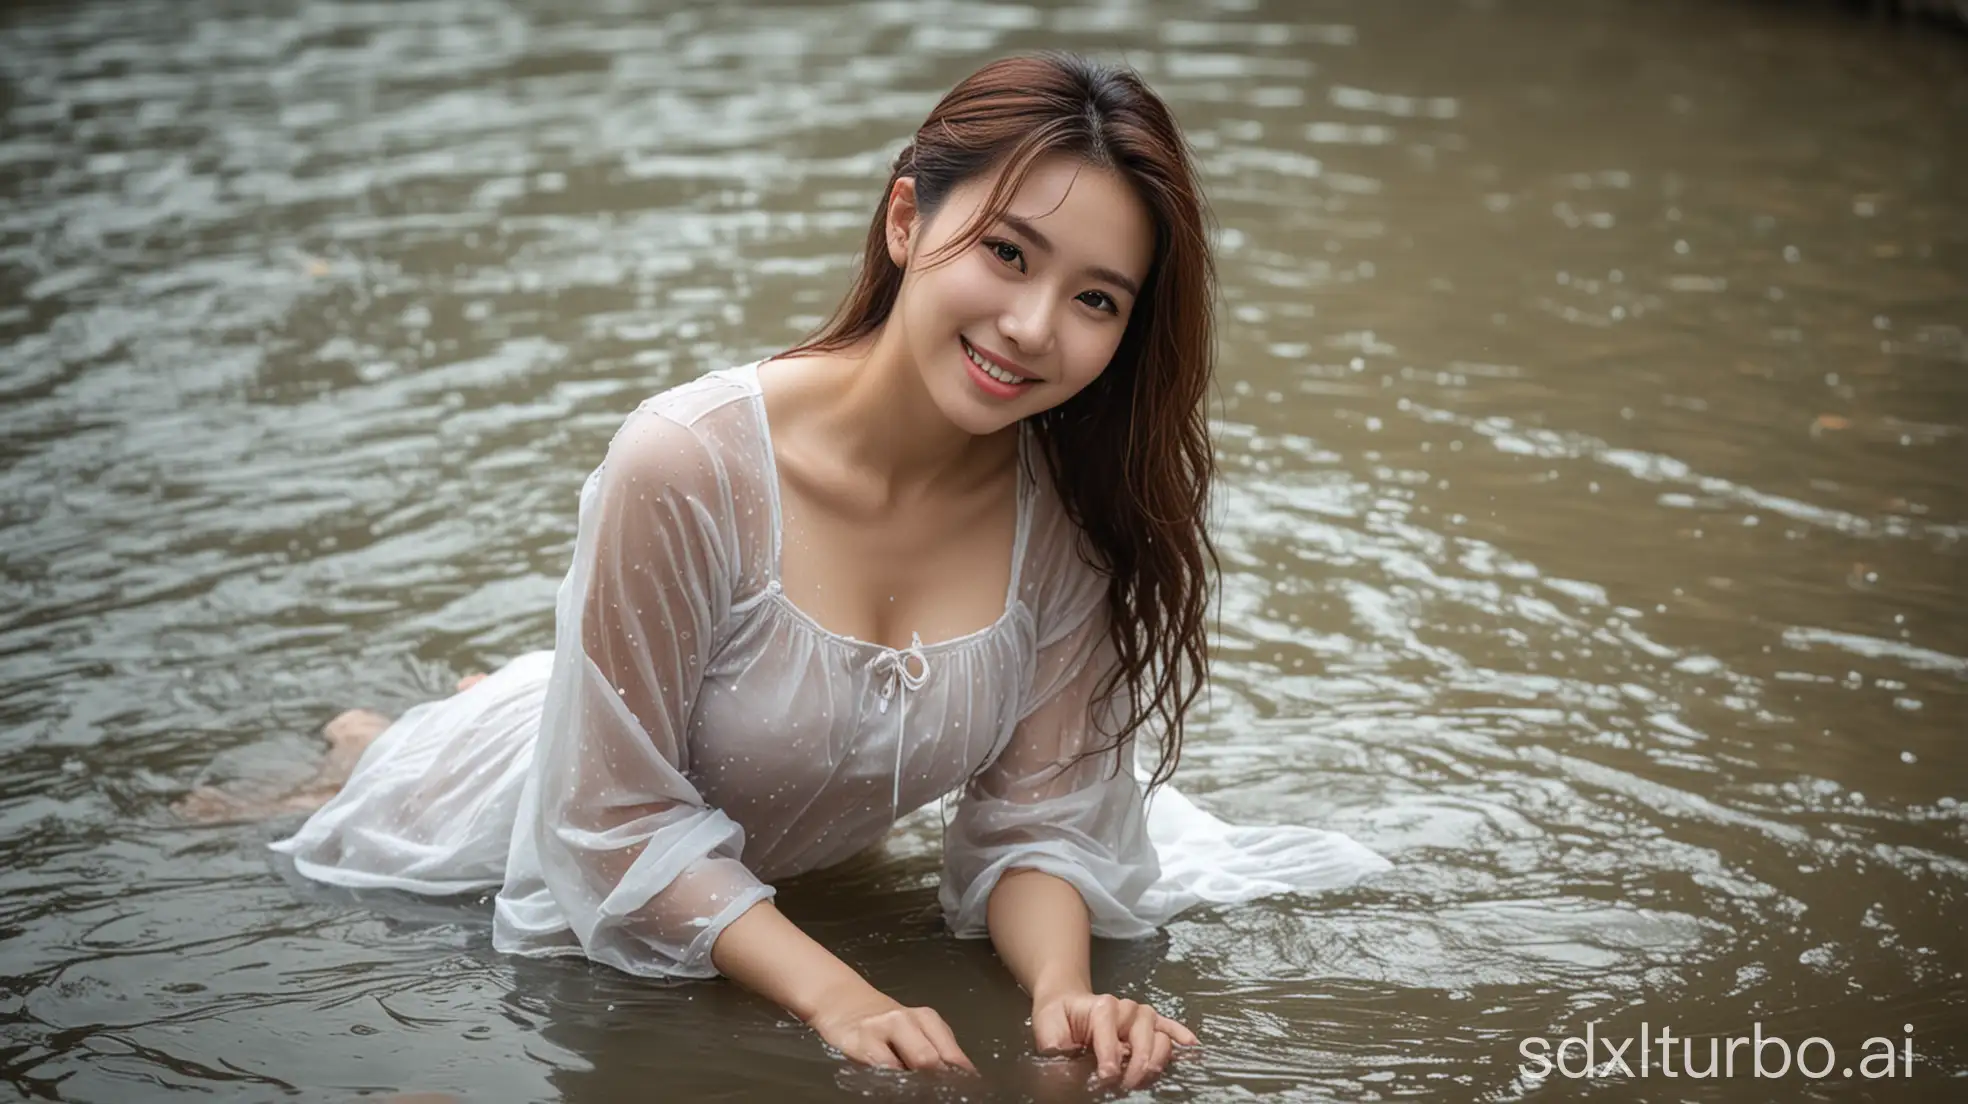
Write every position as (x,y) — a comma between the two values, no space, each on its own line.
(1083,823)
(621,856)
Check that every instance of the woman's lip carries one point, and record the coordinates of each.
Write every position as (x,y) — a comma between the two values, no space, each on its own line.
(1002,363)
(985,381)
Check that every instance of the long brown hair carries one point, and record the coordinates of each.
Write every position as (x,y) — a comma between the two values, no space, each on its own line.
(1141,425)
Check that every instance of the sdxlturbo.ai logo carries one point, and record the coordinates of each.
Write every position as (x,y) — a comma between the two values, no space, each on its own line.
(1654,1054)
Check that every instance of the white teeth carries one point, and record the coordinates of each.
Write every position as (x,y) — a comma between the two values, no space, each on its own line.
(990,369)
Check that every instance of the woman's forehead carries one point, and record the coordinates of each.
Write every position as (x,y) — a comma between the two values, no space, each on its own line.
(1080,211)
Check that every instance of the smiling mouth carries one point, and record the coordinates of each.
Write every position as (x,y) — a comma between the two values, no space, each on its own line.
(985,364)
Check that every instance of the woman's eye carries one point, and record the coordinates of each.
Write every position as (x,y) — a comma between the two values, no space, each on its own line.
(1008,253)
(1101,301)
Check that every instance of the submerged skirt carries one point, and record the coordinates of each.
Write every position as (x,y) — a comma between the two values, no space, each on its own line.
(431,809)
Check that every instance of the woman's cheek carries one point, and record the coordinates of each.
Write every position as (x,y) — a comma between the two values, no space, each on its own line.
(954,297)
(1093,350)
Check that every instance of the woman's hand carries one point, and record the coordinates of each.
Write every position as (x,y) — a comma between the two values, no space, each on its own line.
(878,1031)
(771,956)
(1115,1030)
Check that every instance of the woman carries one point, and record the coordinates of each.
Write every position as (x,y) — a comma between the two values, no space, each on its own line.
(955,542)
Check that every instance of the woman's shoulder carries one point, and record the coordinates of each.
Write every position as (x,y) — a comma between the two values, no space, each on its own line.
(691,452)
(719,394)
(1062,577)
(688,437)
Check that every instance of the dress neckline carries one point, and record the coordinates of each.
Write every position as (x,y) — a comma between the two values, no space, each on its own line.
(749,375)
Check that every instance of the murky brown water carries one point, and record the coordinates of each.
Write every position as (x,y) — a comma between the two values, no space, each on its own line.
(1595,424)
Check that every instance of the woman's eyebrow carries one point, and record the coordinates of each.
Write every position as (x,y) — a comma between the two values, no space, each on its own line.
(1044,243)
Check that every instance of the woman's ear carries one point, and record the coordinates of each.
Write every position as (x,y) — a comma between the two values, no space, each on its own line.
(902,220)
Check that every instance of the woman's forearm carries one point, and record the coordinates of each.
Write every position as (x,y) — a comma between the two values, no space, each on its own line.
(1039,925)
(771,956)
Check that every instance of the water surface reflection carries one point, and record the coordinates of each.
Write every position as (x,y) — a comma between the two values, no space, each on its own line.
(1593,423)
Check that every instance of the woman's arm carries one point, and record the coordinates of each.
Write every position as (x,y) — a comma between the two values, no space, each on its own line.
(1040,925)
(622,850)
(768,954)
(1049,844)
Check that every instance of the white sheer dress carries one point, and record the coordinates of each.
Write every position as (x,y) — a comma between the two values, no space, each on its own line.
(693,735)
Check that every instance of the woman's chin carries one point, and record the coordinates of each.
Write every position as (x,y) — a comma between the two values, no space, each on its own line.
(974,413)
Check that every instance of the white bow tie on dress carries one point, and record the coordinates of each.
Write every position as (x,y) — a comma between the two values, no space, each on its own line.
(894,663)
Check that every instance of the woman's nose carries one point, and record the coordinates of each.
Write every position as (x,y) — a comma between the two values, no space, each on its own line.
(1028,325)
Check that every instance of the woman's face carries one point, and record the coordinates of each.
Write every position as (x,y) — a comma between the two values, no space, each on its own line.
(1045,295)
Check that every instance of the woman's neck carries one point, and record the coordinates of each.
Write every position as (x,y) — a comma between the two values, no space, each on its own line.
(866,409)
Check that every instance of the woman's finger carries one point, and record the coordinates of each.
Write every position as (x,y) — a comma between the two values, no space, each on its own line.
(876,1053)
(1164,1050)
(1176,1031)
(1106,1038)
(1141,1046)
(943,1039)
(909,1043)
(1052,1031)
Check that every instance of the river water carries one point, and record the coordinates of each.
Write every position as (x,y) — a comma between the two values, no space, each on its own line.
(1594,423)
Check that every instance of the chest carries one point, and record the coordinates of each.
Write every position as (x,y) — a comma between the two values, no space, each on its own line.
(936,569)
(786,736)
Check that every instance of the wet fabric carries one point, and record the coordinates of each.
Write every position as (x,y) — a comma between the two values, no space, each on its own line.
(693,735)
